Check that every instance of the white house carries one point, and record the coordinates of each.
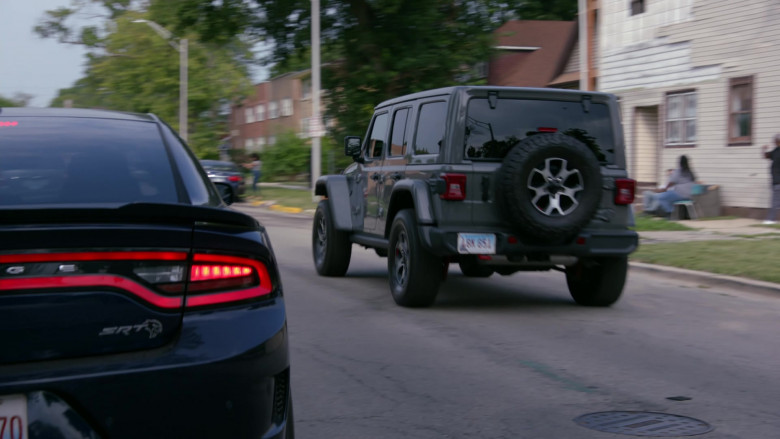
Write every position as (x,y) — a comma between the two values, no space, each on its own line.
(699,78)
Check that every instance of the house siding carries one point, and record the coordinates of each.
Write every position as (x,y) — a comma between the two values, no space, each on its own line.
(698,45)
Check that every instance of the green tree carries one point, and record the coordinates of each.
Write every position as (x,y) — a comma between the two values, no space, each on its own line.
(132,68)
(384,48)
(16,101)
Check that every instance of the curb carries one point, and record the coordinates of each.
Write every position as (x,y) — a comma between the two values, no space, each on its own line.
(709,279)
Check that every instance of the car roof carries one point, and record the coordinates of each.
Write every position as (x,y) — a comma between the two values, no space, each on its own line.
(74,112)
(484,88)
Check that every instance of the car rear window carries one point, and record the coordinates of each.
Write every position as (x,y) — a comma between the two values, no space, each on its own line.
(64,160)
(492,131)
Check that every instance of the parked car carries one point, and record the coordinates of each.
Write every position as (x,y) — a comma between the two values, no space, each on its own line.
(227,177)
(133,301)
(495,179)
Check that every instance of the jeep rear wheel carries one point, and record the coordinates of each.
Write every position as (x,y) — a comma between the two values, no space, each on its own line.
(414,272)
(598,281)
(331,248)
(549,187)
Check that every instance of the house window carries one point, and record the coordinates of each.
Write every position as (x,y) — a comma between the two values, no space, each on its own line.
(260,110)
(681,118)
(741,111)
(248,144)
(249,115)
(287,107)
(271,140)
(306,89)
(273,110)
(260,144)
(637,7)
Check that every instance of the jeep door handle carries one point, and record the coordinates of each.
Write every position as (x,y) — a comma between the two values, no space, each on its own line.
(396,176)
(376,177)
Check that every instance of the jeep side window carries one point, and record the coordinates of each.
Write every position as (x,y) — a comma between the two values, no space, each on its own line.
(376,142)
(398,139)
(430,128)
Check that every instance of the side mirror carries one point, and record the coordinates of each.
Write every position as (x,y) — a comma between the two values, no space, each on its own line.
(352,146)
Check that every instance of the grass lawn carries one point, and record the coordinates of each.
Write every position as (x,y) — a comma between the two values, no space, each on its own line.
(754,258)
(301,198)
(653,224)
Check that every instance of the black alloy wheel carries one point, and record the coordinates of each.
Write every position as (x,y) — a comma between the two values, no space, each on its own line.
(549,187)
(597,281)
(415,273)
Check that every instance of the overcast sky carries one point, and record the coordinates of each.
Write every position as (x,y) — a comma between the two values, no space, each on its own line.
(36,66)
(29,64)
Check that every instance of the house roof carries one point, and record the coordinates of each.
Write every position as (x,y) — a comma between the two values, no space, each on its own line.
(531,53)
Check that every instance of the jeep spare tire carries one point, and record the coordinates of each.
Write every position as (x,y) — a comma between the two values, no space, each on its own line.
(549,187)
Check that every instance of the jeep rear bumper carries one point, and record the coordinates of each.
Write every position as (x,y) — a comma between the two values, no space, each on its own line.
(589,242)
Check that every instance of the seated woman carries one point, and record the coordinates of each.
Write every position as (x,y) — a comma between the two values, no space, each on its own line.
(680,187)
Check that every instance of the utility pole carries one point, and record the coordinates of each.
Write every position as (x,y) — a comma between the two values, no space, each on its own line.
(317,126)
(182,48)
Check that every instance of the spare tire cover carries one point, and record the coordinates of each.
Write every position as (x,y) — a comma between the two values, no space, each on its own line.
(549,187)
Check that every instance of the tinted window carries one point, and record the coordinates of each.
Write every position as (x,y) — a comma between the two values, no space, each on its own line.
(430,128)
(66,160)
(492,132)
(398,140)
(376,142)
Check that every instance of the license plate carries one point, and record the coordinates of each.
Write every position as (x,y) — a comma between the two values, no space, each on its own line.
(477,243)
(13,417)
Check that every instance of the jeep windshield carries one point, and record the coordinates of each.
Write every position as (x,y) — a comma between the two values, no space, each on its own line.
(491,131)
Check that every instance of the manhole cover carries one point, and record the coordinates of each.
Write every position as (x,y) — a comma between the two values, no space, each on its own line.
(643,424)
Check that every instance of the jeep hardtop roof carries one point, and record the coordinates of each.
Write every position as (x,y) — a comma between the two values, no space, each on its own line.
(481,90)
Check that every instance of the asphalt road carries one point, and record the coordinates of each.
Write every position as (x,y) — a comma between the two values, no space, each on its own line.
(514,357)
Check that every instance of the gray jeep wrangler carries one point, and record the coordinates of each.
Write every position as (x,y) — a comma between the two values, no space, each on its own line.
(495,179)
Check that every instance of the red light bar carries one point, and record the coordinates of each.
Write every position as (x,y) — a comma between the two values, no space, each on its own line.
(213,271)
(8,123)
(547,130)
(222,267)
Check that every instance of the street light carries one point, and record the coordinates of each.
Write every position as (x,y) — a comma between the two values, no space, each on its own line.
(183,56)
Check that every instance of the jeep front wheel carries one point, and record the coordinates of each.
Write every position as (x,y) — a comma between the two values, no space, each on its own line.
(597,281)
(331,248)
(414,272)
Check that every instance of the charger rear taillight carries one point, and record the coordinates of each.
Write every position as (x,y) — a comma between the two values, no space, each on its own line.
(221,279)
(625,190)
(234,178)
(454,187)
(159,278)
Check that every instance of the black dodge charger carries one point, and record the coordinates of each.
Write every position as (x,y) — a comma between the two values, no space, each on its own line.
(133,301)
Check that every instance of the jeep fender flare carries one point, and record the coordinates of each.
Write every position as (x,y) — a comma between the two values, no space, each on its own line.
(420,194)
(336,189)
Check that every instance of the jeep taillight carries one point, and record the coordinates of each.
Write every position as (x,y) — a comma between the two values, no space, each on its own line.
(625,188)
(454,187)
